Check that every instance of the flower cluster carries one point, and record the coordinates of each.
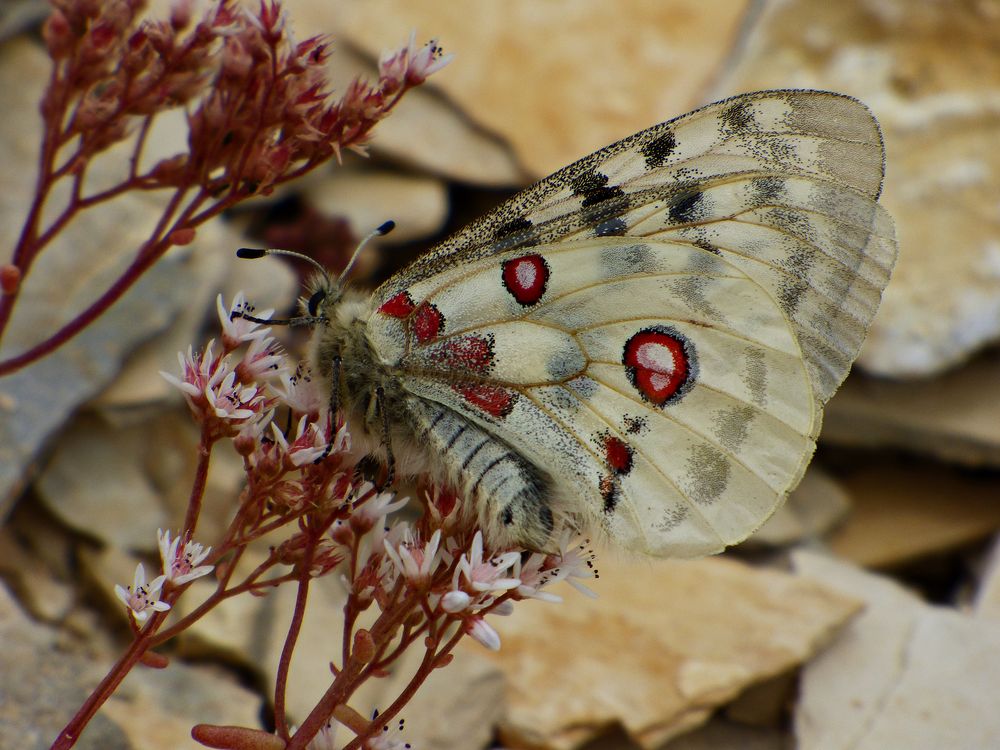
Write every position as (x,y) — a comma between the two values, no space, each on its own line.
(257,103)
(258,100)
(180,559)
(224,389)
(429,578)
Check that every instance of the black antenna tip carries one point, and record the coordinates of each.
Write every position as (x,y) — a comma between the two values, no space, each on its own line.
(386,228)
(250,253)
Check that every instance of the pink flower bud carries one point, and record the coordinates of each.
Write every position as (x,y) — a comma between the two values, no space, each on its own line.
(183,236)
(10,279)
(235,738)
(181,12)
(237,62)
(58,35)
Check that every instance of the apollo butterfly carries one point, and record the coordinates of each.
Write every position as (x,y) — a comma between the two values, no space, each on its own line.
(641,343)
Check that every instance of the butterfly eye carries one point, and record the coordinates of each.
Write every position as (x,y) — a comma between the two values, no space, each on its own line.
(315,301)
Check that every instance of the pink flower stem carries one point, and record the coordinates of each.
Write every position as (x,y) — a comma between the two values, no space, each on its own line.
(213,601)
(353,672)
(294,628)
(151,251)
(428,664)
(105,689)
(200,482)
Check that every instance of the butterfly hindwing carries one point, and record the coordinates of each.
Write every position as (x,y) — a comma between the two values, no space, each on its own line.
(656,327)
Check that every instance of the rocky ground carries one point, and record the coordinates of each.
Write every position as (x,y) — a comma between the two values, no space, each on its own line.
(865,615)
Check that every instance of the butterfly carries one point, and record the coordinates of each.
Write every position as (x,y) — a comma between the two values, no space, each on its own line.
(641,343)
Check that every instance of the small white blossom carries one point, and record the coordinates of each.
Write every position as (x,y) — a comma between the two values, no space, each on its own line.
(414,65)
(301,393)
(263,359)
(372,512)
(198,371)
(485,576)
(575,563)
(237,330)
(141,597)
(483,632)
(229,400)
(180,559)
(416,563)
(455,601)
(307,445)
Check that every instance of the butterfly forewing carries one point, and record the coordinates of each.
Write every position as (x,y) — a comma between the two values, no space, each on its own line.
(656,327)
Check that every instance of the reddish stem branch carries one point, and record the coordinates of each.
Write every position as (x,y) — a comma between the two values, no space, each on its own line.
(71,732)
(200,482)
(427,665)
(294,628)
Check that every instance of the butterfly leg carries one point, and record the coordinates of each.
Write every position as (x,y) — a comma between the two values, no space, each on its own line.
(334,405)
(390,460)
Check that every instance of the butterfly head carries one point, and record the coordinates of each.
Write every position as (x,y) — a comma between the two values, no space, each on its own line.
(325,292)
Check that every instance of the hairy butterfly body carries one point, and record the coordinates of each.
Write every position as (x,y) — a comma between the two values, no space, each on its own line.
(642,342)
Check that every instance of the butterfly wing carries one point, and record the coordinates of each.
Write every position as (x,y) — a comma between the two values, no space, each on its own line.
(658,325)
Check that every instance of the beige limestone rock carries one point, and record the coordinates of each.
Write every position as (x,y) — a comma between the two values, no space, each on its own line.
(812,509)
(903,674)
(120,483)
(954,416)
(156,708)
(931,74)
(719,734)
(986,603)
(663,646)
(44,683)
(266,282)
(418,205)
(558,79)
(425,130)
(40,591)
(905,510)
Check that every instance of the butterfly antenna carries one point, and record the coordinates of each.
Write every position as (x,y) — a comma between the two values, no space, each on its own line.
(252,253)
(381,231)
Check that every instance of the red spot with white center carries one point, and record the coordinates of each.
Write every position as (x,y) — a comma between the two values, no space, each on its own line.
(525,278)
(428,322)
(660,363)
(492,399)
(399,306)
(618,454)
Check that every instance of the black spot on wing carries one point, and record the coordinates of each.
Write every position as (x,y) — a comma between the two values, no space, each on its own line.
(592,186)
(623,261)
(513,226)
(687,208)
(657,150)
(738,116)
(610,493)
(611,228)
(766,190)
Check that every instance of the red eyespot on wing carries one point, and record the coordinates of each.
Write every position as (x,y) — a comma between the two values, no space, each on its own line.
(525,278)
(399,306)
(428,322)
(618,454)
(661,364)
(492,399)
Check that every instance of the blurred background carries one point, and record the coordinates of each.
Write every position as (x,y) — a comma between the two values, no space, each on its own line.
(865,614)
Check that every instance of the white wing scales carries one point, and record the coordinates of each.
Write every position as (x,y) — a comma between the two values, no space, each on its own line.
(657,326)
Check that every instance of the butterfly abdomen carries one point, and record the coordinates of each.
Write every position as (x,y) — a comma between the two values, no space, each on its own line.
(513,496)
